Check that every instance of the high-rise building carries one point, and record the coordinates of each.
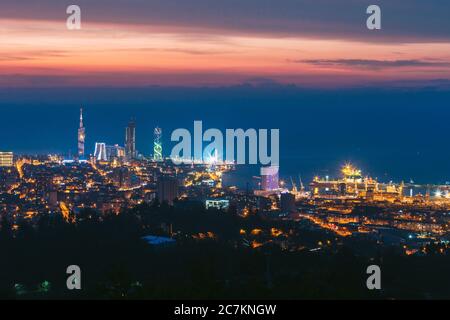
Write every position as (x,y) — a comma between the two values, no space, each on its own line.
(121,177)
(81,136)
(100,151)
(8,178)
(287,202)
(115,151)
(269,178)
(6,159)
(157,145)
(217,203)
(167,189)
(130,140)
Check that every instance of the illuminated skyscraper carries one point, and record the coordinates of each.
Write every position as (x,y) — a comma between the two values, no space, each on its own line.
(115,152)
(6,159)
(81,136)
(157,145)
(100,151)
(130,140)
(269,178)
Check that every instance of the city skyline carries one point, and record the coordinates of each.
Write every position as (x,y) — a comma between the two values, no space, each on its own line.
(102,151)
(392,116)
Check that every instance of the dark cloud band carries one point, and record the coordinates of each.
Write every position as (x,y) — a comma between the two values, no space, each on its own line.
(402,20)
(374,64)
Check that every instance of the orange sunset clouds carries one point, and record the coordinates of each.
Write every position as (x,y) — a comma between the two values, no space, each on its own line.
(43,52)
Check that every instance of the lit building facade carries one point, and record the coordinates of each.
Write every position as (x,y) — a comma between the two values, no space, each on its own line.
(81,136)
(269,178)
(220,204)
(115,152)
(157,145)
(100,152)
(6,159)
(130,140)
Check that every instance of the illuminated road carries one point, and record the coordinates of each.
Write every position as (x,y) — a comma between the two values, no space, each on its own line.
(64,210)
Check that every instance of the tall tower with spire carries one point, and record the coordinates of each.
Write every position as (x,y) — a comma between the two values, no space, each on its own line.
(130,140)
(81,136)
